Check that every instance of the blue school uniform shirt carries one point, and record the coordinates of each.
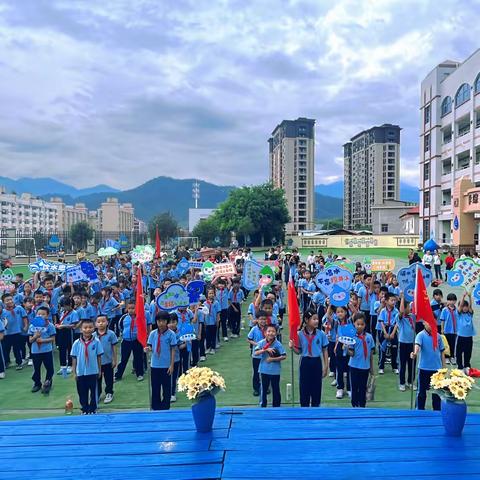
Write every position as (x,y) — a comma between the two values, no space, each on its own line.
(364,295)
(437,310)
(185,317)
(373,301)
(213,309)
(394,290)
(55,294)
(256,334)
(272,368)
(465,327)
(129,331)
(106,307)
(359,360)
(318,298)
(330,327)
(319,342)
(14,319)
(450,319)
(251,311)
(430,359)
(222,298)
(376,306)
(46,332)
(236,297)
(357,286)
(108,340)
(70,318)
(406,328)
(281,299)
(389,318)
(176,358)
(2,326)
(161,350)
(345,330)
(86,355)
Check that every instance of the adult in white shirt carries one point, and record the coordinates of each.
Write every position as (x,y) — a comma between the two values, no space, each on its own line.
(311,258)
(428,259)
(437,264)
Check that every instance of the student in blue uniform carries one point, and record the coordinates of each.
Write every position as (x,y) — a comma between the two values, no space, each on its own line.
(361,361)
(87,366)
(271,353)
(212,320)
(465,333)
(42,338)
(449,319)
(2,337)
(235,300)
(173,326)
(184,320)
(222,299)
(109,307)
(256,335)
(364,293)
(28,306)
(15,321)
(374,297)
(161,342)
(130,344)
(437,307)
(406,338)
(109,341)
(431,360)
(344,328)
(329,324)
(313,349)
(67,322)
(388,319)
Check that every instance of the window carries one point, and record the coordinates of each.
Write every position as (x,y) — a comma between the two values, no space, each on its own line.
(426,143)
(426,229)
(426,171)
(463,95)
(426,199)
(384,227)
(426,114)
(446,106)
(477,84)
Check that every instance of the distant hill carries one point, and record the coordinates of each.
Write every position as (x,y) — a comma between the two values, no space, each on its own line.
(407,192)
(44,186)
(328,207)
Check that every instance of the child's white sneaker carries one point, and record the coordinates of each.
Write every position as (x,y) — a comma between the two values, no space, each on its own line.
(334,383)
(349,393)
(401,388)
(140,378)
(339,394)
(212,351)
(225,339)
(202,359)
(173,399)
(447,361)
(30,362)
(381,372)
(395,371)
(2,375)
(331,374)
(69,369)
(108,398)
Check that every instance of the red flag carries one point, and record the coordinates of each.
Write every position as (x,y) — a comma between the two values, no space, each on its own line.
(157,243)
(140,311)
(422,308)
(293,312)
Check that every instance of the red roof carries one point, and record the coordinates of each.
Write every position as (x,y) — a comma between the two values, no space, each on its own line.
(412,211)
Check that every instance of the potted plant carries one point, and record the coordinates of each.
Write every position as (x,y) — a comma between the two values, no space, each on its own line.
(201,384)
(453,386)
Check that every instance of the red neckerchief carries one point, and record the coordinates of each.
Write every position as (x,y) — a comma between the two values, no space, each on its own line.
(132,323)
(433,345)
(268,344)
(269,320)
(101,335)
(86,345)
(364,343)
(10,309)
(234,296)
(64,316)
(410,319)
(367,295)
(389,315)
(158,348)
(454,320)
(310,338)
(209,303)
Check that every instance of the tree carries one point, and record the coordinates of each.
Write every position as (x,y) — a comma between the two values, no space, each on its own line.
(167,226)
(80,234)
(206,230)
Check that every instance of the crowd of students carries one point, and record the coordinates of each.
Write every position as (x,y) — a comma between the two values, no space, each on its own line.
(95,330)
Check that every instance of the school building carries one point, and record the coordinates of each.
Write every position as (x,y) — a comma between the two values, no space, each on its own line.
(450,154)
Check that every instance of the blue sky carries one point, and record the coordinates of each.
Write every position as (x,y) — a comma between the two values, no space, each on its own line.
(120,91)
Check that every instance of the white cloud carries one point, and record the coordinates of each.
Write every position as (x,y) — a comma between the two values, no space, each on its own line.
(123,90)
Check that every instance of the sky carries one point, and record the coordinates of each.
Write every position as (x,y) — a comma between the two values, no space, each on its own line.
(121,91)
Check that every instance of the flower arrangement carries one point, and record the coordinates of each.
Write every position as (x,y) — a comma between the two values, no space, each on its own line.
(199,381)
(453,385)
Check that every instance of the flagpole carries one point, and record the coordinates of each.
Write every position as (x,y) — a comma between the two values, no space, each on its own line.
(293,378)
(413,346)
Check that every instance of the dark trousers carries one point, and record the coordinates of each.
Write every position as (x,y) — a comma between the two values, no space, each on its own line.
(128,347)
(321,311)
(23,346)
(438,272)
(107,374)
(274,381)
(234,318)
(2,359)
(332,360)
(184,360)
(406,363)
(223,322)
(64,342)
(452,340)
(359,380)
(87,392)
(161,388)
(176,369)
(306,300)
(368,325)
(201,342)
(12,342)
(255,374)
(38,359)
(424,385)
(393,352)
(211,336)
(342,368)
(373,331)
(464,351)
(113,324)
(310,381)
(195,352)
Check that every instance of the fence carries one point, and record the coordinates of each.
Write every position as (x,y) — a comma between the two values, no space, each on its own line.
(16,243)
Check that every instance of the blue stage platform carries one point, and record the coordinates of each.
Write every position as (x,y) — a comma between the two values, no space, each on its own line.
(246,443)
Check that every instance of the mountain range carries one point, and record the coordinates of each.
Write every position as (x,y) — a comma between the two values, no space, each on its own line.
(407,192)
(169,194)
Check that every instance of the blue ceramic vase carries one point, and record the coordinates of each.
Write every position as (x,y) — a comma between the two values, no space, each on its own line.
(454,414)
(204,413)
